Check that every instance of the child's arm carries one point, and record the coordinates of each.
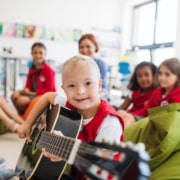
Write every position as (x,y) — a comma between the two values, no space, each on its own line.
(25,129)
(125,103)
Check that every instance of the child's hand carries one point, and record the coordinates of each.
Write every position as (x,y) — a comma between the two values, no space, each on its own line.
(52,157)
(25,91)
(24,131)
(49,155)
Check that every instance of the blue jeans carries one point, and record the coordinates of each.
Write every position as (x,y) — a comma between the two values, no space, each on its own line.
(5,174)
(2,162)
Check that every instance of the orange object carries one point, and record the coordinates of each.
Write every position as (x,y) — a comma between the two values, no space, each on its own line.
(30,106)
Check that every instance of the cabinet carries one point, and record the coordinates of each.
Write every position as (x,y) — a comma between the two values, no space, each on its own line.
(12,68)
(2,74)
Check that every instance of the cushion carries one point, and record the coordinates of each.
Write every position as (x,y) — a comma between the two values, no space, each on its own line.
(30,106)
(160,132)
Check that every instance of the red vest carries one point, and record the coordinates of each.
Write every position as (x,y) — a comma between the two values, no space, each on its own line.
(45,80)
(157,100)
(89,131)
(139,100)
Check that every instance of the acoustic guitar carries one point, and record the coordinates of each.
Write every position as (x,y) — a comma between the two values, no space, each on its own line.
(96,160)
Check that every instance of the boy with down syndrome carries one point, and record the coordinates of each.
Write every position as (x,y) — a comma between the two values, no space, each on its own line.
(82,85)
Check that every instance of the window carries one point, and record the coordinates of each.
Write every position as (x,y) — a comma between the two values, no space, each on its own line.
(154,30)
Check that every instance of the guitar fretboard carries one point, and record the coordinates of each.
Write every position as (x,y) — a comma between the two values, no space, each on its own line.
(58,145)
(64,147)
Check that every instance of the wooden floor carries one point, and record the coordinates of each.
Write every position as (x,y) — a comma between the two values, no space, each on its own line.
(10,148)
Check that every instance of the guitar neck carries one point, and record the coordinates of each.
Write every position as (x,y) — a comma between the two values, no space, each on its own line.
(93,155)
(61,146)
(64,147)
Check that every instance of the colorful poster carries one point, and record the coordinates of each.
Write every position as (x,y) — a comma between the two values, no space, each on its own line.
(77,34)
(29,31)
(1,28)
(68,35)
(19,30)
(9,29)
(49,33)
(39,32)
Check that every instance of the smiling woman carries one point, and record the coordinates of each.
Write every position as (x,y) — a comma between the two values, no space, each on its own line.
(88,46)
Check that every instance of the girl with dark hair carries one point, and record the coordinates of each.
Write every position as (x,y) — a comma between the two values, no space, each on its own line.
(168,79)
(141,86)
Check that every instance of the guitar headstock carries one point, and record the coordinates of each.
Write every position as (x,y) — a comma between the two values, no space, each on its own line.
(99,160)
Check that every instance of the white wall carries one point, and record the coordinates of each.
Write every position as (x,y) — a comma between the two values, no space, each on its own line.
(81,14)
(63,13)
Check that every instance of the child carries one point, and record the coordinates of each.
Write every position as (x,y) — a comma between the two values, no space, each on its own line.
(40,79)
(141,86)
(82,85)
(168,78)
(8,116)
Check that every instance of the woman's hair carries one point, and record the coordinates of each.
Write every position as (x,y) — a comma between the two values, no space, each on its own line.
(38,44)
(173,64)
(133,83)
(71,63)
(92,38)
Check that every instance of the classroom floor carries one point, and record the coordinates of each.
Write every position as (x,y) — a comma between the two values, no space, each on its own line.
(10,148)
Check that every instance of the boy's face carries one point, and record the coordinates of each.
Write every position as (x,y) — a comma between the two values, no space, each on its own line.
(82,87)
(38,54)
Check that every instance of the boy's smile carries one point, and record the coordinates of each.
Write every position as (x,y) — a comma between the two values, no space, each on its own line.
(82,87)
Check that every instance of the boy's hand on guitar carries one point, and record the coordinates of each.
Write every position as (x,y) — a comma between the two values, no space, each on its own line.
(59,133)
(24,131)
(52,157)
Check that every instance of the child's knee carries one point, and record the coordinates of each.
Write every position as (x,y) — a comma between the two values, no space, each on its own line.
(23,102)
(14,96)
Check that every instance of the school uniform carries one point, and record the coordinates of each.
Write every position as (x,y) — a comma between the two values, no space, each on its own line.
(105,117)
(139,99)
(158,99)
(41,80)
(90,130)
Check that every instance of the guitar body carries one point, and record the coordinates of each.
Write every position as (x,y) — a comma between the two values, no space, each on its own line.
(31,163)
